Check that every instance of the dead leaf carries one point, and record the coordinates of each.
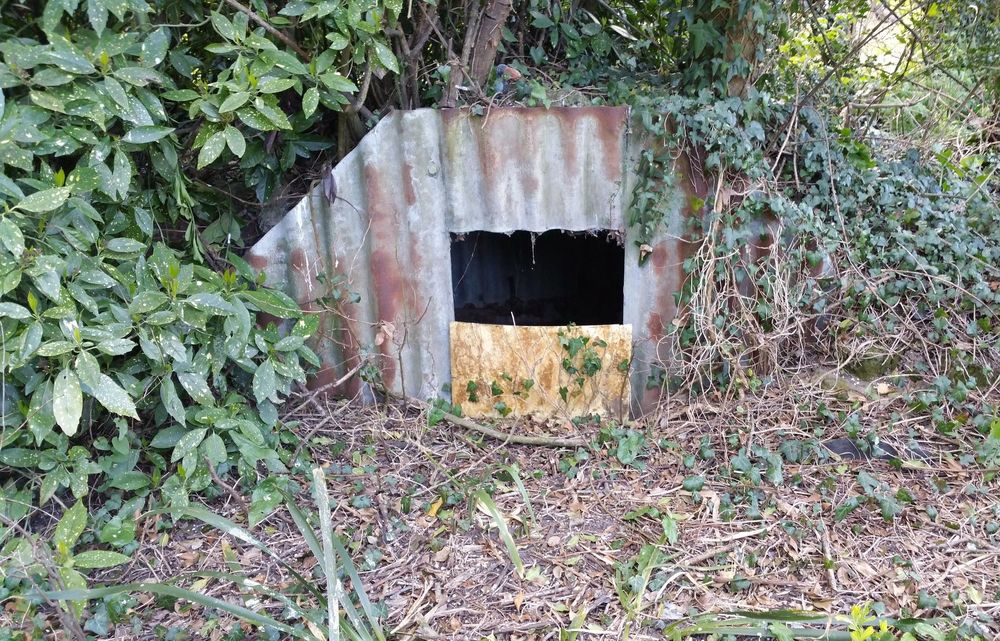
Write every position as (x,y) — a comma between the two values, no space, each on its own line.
(518,600)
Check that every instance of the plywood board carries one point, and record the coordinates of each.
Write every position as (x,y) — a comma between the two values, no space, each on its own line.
(543,372)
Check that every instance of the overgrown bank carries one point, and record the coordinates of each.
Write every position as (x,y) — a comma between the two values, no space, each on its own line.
(141,143)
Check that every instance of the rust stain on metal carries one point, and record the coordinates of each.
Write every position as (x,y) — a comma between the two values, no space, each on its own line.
(422,175)
(541,371)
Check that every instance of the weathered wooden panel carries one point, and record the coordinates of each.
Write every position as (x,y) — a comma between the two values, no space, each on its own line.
(541,371)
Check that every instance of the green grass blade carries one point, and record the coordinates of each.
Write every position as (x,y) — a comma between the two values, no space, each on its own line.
(302,523)
(487,505)
(328,560)
(230,528)
(515,473)
(576,625)
(166,589)
(251,586)
(359,590)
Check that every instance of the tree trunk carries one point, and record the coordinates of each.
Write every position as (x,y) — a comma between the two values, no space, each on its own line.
(488,38)
(479,48)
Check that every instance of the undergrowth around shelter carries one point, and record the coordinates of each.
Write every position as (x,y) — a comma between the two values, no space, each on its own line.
(144,369)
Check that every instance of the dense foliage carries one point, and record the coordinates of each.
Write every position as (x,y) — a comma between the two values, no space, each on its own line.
(142,145)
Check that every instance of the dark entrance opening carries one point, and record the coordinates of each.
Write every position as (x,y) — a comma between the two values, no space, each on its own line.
(525,278)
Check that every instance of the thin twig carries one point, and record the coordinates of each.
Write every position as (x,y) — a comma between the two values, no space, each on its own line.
(268,27)
(230,490)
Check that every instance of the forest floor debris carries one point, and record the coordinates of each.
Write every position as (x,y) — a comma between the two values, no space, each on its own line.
(713,507)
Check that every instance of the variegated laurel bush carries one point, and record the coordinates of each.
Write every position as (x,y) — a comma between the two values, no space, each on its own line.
(132,356)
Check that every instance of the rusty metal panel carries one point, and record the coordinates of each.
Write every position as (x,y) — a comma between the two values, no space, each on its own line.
(541,371)
(421,175)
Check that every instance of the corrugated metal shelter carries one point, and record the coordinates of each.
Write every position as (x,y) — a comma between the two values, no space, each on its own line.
(420,176)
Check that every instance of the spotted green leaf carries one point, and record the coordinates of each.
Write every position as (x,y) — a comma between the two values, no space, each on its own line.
(45,200)
(211,149)
(385,56)
(254,119)
(310,100)
(113,397)
(275,85)
(98,559)
(70,527)
(234,139)
(188,443)
(196,385)
(154,48)
(272,113)
(265,384)
(234,101)
(12,237)
(146,133)
(67,401)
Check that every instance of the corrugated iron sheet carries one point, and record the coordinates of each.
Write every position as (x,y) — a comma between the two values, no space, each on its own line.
(421,175)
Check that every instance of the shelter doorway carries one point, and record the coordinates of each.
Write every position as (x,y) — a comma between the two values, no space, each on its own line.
(538,323)
(536,279)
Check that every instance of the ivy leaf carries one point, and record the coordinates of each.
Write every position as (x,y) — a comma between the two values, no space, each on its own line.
(12,237)
(702,33)
(113,397)
(235,141)
(670,530)
(211,149)
(45,200)
(67,401)
(310,100)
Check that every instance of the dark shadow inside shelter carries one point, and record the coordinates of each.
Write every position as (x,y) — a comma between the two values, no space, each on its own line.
(525,278)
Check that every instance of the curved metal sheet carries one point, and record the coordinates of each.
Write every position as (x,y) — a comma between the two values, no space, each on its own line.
(421,175)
